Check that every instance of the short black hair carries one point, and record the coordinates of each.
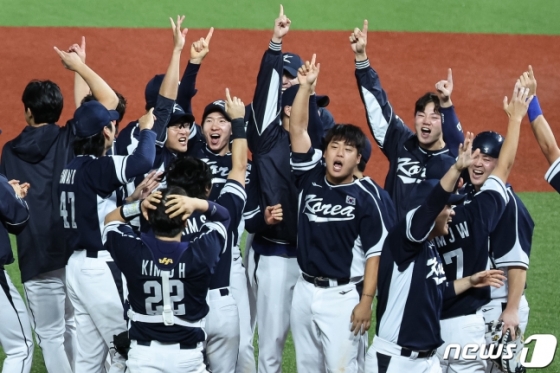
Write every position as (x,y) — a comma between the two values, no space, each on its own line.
(422,102)
(162,225)
(362,165)
(352,135)
(121,106)
(191,174)
(44,99)
(93,145)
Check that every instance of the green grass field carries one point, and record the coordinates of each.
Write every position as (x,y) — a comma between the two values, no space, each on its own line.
(542,289)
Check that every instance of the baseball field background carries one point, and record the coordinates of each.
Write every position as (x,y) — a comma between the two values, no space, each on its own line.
(487,43)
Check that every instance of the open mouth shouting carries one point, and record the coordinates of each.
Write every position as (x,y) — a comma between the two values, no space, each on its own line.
(214,139)
(337,166)
(425,132)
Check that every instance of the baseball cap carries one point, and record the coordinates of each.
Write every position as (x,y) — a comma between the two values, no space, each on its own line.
(366,151)
(152,90)
(292,62)
(91,117)
(180,116)
(289,95)
(216,106)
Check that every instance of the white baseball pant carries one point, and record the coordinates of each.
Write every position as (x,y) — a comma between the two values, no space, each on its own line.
(385,357)
(238,286)
(273,279)
(222,331)
(321,325)
(98,311)
(52,319)
(462,330)
(493,310)
(164,357)
(15,331)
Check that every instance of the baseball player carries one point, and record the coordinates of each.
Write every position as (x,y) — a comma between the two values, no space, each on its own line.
(39,154)
(412,283)
(509,243)
(340,235)
(195,177)
(167,280)
(15,331)
(465,250)
(88,186)
(407,152)
(271,254)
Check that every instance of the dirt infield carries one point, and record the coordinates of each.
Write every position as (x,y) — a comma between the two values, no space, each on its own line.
(485,68)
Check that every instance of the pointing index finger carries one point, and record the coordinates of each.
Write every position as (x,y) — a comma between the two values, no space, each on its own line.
(281,10)
(228,97)
(313,59)
(449,75)
(365,27)
(209,36)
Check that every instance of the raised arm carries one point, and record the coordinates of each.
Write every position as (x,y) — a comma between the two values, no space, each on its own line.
(187,90)
(235,108)
(516,110)
(99,88)
(266,101)
(299,116)
(450,126)
(81,89)
(541,129)
(387,128)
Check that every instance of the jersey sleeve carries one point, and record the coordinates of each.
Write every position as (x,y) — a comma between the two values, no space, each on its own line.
(388,130)
(211,242)
(187,87)
(452,131)
(488,205)
(306,165)
(373,230)
(14,212)
(510,243)
(162,112)
(233,198)
(119,239)
(552,176)
(264,121)
(315,125)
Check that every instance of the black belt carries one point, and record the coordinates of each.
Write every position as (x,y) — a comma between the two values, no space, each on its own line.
(421,354)
(182,346)
(224,292)
(91,253)
(325,282)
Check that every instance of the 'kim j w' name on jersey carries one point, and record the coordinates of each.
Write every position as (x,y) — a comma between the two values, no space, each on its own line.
(339,226)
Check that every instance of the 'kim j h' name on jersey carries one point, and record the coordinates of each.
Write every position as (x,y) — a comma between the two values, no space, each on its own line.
(465,249)
(188,284)
(339,226)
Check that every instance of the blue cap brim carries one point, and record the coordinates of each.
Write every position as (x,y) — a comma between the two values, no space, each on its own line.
(114,115)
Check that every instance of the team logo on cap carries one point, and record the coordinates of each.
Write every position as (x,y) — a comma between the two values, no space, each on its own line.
(221,103)
(287,58)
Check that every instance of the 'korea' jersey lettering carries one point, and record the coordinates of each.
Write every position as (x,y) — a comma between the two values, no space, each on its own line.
(339,226)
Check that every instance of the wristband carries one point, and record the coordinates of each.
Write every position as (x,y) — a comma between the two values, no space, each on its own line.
(238,129)
(131,210)
(534,109)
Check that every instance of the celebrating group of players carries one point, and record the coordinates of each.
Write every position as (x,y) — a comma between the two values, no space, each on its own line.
(129,246)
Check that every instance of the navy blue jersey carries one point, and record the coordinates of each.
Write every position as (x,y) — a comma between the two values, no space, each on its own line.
(552,175)
(386,204)
(269,143)
(14,215)
(339,226)
(88,188)
(37,156)
(232,197)
(465,250)
(141,261)
(510,243)
(407,160)
(411,282)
